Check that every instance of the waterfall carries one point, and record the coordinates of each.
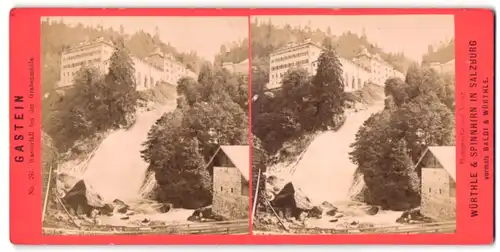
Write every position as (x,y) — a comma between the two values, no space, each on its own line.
(324,172)
(115,169)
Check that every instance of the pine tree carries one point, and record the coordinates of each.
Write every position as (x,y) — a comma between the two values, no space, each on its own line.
(121,94)
(328,87)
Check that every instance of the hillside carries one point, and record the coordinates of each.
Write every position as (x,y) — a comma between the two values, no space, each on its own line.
(440,54)
(234,52)
(267,37)
(56,36)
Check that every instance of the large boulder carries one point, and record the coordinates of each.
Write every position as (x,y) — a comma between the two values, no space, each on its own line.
(332,212)
(316,212)
(107,209)
(120,206)
(82,199)
(164,208)
(372,210)
(207,213)
(327,205)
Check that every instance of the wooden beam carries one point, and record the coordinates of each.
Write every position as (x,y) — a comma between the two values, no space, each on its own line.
(256,196)
(277,216)
(67,213)
(47,191)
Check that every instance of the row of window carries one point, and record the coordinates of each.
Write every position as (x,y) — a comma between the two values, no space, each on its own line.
(145,83)
(85,54)
(82,63)
(288,65)
(291,56)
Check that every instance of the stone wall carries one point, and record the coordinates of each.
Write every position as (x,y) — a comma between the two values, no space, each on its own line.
(230,193)
(438,194)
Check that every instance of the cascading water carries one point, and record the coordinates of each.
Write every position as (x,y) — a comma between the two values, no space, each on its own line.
(325,172)
(116,170)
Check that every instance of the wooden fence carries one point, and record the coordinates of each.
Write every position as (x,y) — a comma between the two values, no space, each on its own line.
(437,227)
(221,227)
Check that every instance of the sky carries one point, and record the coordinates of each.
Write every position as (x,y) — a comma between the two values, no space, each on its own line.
(410,34)
(204,35)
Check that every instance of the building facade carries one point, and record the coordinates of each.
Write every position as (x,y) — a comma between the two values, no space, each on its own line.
(304,55)
(438,183)
(241,68)
(364,68)
(154,69)
(444,68)
(230,182)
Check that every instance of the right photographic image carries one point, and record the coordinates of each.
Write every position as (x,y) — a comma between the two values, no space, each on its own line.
(353,124)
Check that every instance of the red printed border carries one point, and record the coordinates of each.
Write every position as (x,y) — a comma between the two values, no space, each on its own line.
(470,25)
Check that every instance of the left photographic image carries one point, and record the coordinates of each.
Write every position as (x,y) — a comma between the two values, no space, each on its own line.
(145,125)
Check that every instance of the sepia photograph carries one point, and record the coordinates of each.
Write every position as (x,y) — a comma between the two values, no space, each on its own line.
(145,126)
(353,124)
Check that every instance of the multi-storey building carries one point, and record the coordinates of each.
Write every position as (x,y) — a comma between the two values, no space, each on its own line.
(379,69)
(94,54)
(304,55)
(154,69)
(237,68)
(240,69)
(364,68)
(444,68)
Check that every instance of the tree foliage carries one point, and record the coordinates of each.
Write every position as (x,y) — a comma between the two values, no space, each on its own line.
(95,104)
(389,143)
(181,142)
(328,87)
(304,104)
(56,36)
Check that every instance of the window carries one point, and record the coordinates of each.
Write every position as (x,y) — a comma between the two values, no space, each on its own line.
(440,191)
(221,189)
(231,190)
(353,84)
(429,189)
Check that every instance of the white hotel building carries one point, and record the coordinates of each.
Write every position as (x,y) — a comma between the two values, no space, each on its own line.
(364,68)
(154,69)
